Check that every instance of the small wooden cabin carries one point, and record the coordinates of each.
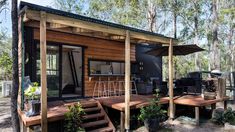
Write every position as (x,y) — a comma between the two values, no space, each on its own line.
(77,51)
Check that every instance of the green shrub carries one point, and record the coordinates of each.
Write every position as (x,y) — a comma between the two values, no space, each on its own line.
(229,116)
(73,118)
(33,92)
(217,116)
(153,111)
(220,116)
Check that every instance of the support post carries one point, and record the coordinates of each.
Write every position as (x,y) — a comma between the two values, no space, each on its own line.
(225,104)
(171,94)
(127,81)
(122,120)
(43,71)
(197,115)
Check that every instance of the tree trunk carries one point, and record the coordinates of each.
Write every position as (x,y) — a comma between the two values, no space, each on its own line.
(215,61)
(231,48)
(196,33)
(15,76)
(175,19)
(175,31)
(151,16)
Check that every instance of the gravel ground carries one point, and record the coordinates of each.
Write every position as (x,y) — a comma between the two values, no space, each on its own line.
(205,125)
(5,115)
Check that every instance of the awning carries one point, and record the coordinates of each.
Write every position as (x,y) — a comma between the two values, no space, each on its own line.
(177,50)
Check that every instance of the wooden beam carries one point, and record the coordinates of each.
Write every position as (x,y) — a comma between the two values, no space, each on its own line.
(127,81)
(117,37)
(102,35)
(25,19)
(56,25)
(171,94)
(43,71)
(51,18)
(81,30)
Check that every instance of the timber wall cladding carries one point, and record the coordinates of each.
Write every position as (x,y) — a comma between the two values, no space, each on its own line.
(96,48)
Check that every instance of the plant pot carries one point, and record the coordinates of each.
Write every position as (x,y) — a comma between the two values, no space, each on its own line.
(152,124)
(209,95)
(133,124)
(34,108)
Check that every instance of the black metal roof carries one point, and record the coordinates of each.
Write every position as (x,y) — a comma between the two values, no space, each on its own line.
(83,18)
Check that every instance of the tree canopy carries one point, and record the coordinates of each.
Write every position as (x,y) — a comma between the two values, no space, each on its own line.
(189,21)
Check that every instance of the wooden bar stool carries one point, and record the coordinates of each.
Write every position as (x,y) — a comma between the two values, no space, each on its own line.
(100,88)
(133,87)
(111,87)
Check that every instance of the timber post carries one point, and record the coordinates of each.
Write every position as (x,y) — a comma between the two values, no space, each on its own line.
(171,93)
(43,71)
(127,81)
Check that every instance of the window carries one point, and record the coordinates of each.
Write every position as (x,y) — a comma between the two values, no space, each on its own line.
(103,67)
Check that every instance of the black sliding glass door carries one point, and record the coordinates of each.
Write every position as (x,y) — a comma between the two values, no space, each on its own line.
(53,83)
(64,70)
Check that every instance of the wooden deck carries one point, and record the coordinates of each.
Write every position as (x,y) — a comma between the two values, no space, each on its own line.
(136,101)
(57,109)
(197,102)
(55,112)
(191,100)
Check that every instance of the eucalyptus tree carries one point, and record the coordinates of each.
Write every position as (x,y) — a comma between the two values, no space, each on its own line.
(15,73)
(215,52)
(226,33)
(73,6)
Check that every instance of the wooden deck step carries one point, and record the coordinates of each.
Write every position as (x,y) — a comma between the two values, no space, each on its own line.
(92,116)
(105,129)
(96,119)
(89,104)
(95,123)
(92,109)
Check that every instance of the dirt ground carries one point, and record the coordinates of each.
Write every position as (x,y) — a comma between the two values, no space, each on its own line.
(205,125)
(5,115)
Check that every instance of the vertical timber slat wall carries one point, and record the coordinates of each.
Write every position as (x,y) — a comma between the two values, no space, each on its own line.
(96,49)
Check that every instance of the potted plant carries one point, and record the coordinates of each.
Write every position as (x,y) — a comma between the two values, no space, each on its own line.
(210,90)
(153,114)
(32,97)
(73,118)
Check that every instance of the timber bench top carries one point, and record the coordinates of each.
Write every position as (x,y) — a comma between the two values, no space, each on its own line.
(193,100)
(136,101)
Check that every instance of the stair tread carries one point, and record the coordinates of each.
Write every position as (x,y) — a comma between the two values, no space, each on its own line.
(104,129)
(92,109)
(89,104)
(91,116)
(95,123)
